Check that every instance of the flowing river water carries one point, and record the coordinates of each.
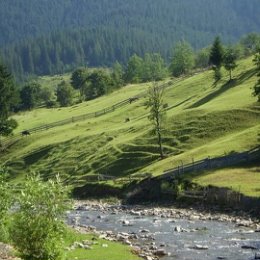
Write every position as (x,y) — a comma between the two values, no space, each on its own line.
(182,239)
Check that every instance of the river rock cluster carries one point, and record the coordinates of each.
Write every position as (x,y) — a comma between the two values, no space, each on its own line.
(148,249)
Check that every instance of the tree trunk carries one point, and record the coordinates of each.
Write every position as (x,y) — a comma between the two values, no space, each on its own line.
(158,130)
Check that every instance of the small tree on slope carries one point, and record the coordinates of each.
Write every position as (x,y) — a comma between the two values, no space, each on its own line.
(155,104)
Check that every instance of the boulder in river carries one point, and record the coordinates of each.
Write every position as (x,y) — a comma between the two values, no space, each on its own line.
(200,247)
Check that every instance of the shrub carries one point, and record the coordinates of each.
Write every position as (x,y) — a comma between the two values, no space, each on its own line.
(5,204)
(38,229)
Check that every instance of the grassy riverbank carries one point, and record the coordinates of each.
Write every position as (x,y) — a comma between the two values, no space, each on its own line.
(100,249)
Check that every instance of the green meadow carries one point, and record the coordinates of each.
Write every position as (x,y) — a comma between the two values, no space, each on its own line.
(203,119)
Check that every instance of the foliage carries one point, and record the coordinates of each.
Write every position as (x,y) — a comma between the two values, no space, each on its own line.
(86,36)
(182,60)
(250,42)
(98,83)
(256,61)
(38,229)
(30,95)
(229,60)
(156,113)
(46,94)
(216,57)
(202,58)
(64,94)
(78,79)
(154,68)
(5,204)
(134,69)
(216,53)
(118,75)
(7,100)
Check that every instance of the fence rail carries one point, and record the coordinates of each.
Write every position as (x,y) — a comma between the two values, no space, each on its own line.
(212,163)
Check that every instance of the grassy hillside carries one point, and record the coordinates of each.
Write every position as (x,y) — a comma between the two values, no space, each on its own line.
(203,120)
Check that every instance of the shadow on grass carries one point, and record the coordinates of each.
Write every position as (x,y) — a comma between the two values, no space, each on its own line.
(230,84)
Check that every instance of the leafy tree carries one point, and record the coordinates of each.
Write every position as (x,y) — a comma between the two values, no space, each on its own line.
(118,75)
(230,57)
(156,112)
(30,95)
(182,60)
(256,61)
(38,229)
(98,83)
(202,58)
(7,100)
(251,42)
(78,79)
(153,67)
(134,69)
(64,94)
(46,94)
(5,204)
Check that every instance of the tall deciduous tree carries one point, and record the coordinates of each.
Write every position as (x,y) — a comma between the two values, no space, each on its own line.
(216,57)
(78,79)
(30,95)
(118,75)
(134,69)
(64,94)
(182,60)
(98,83)
(230,57)
(156,113)
(153,67)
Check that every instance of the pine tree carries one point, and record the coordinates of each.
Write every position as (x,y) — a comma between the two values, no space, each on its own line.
(7,94)
(216,57)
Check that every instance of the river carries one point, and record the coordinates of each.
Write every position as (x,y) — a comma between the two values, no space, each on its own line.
(182,239)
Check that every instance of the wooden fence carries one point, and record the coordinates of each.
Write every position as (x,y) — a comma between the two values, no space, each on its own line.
(212,163)
(9,141)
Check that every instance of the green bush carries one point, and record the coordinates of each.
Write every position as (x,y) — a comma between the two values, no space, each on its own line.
(37,231)
(5,204)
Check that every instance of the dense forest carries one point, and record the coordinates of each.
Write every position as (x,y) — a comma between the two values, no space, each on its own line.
(53,36)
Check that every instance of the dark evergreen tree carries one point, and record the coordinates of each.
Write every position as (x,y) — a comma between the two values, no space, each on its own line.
(216,57)
(7,94)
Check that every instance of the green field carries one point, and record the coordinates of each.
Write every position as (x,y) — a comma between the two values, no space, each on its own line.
(203,120)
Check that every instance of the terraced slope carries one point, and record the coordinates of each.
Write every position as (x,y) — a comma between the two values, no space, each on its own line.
(203,120)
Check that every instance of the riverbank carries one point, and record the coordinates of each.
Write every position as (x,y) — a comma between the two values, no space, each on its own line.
(197,212)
